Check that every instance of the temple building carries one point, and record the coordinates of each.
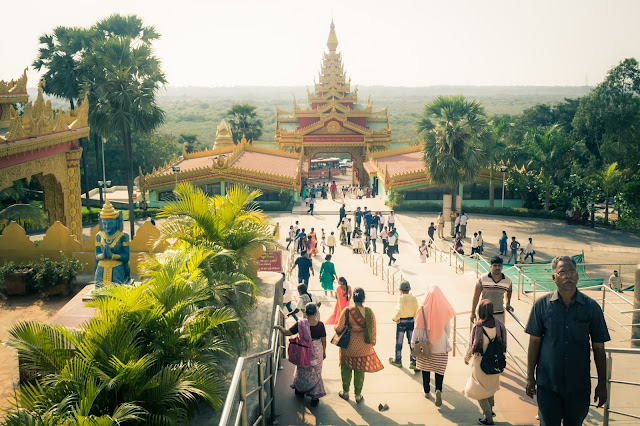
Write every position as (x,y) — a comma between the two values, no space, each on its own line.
(332,122)
(43,144)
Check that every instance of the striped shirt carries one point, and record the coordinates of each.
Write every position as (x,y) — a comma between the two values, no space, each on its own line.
(494,291)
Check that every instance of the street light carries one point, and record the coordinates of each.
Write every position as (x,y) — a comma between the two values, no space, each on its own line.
(503,169)
(176,170)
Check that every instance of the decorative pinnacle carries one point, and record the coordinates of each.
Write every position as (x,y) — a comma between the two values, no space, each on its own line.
(332,42)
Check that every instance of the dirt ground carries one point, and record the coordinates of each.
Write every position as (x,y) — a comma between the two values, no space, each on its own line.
(13,310)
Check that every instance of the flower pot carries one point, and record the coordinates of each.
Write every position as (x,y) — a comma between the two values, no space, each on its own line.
(15,283)
(58,289)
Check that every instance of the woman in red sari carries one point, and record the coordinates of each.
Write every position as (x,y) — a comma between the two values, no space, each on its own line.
(343,296)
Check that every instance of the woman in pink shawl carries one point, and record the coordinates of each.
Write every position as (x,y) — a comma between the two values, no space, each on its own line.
(433,322)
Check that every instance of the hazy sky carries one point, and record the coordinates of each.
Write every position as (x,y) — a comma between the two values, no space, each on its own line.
(391,43)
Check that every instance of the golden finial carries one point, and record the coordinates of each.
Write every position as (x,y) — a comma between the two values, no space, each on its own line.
(332,42)
(108,212)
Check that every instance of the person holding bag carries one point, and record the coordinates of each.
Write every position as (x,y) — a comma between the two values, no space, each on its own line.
(307,380)
(432,324)
(359,356)
(481,385)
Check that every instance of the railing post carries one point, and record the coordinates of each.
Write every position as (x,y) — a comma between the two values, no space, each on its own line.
(605,416)
(635,329)
(534,290)
(261,391)
(243,398)
(604,296)
(519,287)
(455,332)
(272,389)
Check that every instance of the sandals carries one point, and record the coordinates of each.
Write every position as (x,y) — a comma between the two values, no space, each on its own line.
(384,407)
(359,399)
(344,395)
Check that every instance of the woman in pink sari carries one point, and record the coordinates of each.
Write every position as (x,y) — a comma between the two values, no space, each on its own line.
(343,296)
(435,313)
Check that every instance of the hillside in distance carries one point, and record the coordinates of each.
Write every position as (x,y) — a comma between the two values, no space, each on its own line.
(199,109)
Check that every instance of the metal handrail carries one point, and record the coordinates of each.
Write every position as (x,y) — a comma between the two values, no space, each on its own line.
(238,384)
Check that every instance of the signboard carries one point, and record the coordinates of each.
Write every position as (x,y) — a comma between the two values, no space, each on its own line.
(271,262)
(333,139)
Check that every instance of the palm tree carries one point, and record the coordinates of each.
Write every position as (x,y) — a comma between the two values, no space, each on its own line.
(451,128)
(231,226)
(494,146)
(547,151)
(609,181)
(244,121)
(60,54)
(126,76)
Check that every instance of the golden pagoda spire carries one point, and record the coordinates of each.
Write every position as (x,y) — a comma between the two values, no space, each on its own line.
(332,42)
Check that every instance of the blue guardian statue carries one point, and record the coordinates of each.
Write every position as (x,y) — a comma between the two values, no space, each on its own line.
(112,248)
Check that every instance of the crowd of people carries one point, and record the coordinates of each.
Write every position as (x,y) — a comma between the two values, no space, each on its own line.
(427,328)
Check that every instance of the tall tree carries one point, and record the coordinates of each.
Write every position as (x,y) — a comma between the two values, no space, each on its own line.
(126,76)
(494,146)
(189,140)
(608,119)
(609,181)
(451,128)
(60,54)
(244,120)
(547,153)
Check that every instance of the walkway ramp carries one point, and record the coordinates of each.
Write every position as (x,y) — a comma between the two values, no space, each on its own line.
(400,388)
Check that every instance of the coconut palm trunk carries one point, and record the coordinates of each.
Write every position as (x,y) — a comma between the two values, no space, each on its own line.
(491,187)
(128,159)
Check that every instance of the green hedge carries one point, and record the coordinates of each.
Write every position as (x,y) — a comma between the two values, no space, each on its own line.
(93,215)
(430,206)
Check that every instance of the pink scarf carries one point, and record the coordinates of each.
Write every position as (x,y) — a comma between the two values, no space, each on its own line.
(438,313)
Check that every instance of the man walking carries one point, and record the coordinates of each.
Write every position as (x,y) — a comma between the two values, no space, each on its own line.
(480,243)
(474,243)
(349,231)
(391,221)
(357,215)
(615,282)
(292,236)
(312,200)
(441,226)
(305,267)
(563,326)
(373,236)
(343,213)
(463,224)
(300,240)
(529,251)
(431,232)
(496,287)
(331,243)
(391,245)
(333,188)
(405,311)
(384,237)
(514,246)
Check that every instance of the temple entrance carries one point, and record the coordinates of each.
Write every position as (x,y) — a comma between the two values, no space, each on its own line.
(342,165)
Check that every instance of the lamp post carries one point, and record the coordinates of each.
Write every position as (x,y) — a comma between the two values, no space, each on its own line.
(176,170)
(503,169)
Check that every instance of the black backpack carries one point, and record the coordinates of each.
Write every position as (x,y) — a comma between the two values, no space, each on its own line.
(493,359)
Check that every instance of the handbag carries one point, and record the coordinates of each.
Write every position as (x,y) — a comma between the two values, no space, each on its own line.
(299,350)
(422,349)
(342,339)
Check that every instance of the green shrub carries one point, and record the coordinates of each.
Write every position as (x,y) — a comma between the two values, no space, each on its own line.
(42,275)
(287,199)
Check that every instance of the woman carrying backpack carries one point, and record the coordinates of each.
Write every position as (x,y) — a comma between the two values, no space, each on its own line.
(488,344)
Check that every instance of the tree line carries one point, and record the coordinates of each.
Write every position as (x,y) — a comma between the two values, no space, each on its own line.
(563,156)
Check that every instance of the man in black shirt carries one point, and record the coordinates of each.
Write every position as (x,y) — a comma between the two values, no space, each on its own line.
(343,213)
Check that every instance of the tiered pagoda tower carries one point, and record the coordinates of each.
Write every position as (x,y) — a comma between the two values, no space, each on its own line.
(334,121)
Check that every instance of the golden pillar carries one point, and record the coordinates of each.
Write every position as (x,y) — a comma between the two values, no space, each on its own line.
(73,206)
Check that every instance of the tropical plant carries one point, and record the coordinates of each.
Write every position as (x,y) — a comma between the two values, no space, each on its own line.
(148,356)
(244,122)
(451,128)
(233,227)
(548,153)
(494,146)
(609,181)
(26,215)
(125,76)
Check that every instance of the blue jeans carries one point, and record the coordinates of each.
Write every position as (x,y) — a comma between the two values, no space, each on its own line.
(529,254)
(288,306)
(514,256)
(405,326)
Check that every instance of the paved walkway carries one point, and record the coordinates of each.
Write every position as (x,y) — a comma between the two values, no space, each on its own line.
(400,388)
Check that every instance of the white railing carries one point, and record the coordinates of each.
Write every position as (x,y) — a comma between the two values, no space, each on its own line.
(265,388)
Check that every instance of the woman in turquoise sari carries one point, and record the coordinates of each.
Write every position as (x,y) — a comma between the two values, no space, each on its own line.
(327,274)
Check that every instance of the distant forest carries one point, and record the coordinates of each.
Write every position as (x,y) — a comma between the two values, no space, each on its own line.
(199,110)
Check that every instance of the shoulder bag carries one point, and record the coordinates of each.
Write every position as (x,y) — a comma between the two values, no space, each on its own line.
(422,349)
(299,351)
(342,339)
